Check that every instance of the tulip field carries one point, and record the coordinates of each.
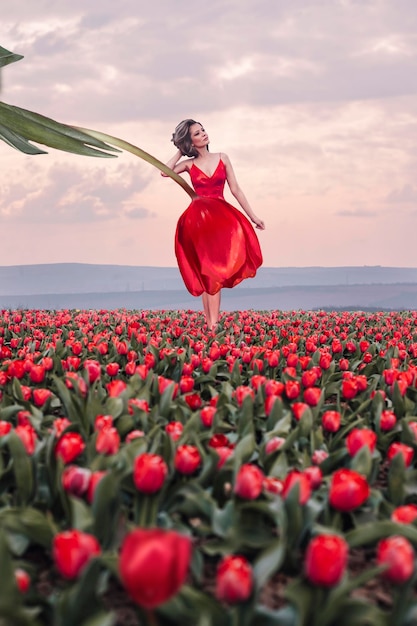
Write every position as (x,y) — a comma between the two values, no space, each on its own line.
(155,473)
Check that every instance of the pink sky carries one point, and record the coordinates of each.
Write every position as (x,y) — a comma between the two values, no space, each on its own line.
(314,101)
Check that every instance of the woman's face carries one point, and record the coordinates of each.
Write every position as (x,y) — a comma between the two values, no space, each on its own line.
(199,137)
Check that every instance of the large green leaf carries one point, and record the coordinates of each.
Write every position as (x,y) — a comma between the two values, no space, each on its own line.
(7,57)
(19,126)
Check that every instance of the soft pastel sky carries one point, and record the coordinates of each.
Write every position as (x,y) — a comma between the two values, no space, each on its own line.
(314,101)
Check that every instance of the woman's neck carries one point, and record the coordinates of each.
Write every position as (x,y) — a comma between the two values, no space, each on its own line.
(202,153)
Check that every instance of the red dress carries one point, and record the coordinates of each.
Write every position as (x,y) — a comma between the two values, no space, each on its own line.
(215,244)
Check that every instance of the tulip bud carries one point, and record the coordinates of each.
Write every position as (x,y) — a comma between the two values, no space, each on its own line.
(92,485)
(330,421)
(275,443)
(397,553)
(187,459)
(401,448)
(153,565)
(69,446)
(22,579)
(249,480)
(75,480)
(234,579)
(174,430)
(312,395)
(108,440)
(27,436)
(405,514)
(326,560)
(207,415)
(71,551)
(297,478)
(149,472)
(359,437)
(348,490)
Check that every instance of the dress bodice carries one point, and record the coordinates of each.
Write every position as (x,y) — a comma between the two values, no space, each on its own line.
(209,186)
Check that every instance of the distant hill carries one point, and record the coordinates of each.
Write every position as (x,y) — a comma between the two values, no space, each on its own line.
(78,285)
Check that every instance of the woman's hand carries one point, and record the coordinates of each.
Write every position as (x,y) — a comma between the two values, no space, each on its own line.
(258,223)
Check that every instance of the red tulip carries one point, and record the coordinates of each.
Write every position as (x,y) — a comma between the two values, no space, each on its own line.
(387,420)
(401,448)
(93,368)
(40,396)
(319,456)
(348,490)
(249,479)
(397,554)
(274,387)
(359,437)
(103,421)
(242,392)
(349,388)
(224,453)
(153,565)
(139,403)
(115,388)
(149,472)
(330,421)
(22,579)
(218,440)
(75,480)
(293,478)
(186,384)
(405,514)
(314,475)
(93,484)
(37,373)
(187,459)
(164,383)
(112,369)
(108,440)
(292,389)
(60,424)
(5,427)
(298,408)
(174,430)
(207,414)
(234,579)
(193,400)
(309,377)
(27,436)
(325,360)
(275,443)
(134,434)
(312,395)
(273,485)
(72,550)
(69,446)
(326,560)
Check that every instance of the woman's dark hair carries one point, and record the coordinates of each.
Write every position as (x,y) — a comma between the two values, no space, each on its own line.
(182,139)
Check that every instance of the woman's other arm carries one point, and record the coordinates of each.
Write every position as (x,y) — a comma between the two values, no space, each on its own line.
(238,193)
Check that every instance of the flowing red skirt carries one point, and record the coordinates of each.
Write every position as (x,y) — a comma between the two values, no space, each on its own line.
(215,245)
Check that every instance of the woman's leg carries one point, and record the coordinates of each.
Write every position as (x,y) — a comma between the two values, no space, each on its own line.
(206,309)
(211,304)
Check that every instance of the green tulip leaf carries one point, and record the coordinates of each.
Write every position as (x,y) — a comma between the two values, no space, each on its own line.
(7,57)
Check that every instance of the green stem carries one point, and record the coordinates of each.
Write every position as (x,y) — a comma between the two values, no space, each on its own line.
(124,145)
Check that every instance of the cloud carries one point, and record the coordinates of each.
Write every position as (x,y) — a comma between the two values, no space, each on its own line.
(355,213)
(407,193)
(110,62)
(68,193)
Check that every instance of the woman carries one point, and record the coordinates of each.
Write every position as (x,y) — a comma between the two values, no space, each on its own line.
(215,244)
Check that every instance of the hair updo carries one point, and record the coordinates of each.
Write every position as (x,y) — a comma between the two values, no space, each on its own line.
(181,138)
